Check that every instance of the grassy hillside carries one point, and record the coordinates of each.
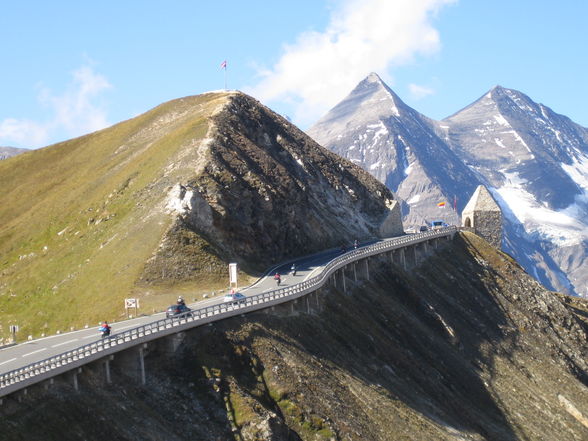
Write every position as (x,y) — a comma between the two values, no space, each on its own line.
(79,219)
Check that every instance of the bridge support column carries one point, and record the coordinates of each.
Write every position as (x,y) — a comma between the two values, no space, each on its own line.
(49,383)
(107,370)
(76,384)
(367,269)
(403,259)
(355,271)
(343,278)
(307,300)
(142,364)
(176,340)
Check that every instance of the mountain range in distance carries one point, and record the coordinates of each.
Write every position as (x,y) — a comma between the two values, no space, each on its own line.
(7,152)
(533,160)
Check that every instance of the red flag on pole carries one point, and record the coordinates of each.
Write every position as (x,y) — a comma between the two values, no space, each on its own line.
(224,64)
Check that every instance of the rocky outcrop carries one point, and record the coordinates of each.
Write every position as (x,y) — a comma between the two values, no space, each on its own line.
(268,192)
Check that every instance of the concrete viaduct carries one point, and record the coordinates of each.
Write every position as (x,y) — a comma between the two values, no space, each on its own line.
(129,346)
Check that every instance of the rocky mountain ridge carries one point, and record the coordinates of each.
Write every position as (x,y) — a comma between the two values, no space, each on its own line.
(532,159)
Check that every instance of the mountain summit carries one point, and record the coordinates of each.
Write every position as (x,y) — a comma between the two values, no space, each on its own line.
(532,159)
(375,129)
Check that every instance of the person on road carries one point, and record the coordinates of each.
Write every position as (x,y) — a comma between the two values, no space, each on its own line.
(181,301)
(278,278)
(355,243)
(105,329)
(293,269)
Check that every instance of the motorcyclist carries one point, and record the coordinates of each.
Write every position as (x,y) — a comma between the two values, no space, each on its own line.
(278,278)
(293,268)
(105,329)
(181,301)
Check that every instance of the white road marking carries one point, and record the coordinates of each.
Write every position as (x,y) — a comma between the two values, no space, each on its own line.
(8,361)
(34,352)
(64,343)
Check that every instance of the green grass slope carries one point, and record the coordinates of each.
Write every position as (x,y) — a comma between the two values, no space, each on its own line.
(79,219)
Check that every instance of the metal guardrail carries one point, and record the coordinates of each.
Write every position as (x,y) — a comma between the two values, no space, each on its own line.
(92,351)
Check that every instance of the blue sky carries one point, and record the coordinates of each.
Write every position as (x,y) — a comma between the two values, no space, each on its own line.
(69,67)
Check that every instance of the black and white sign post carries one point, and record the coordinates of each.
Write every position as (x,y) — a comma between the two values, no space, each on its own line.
(132,303)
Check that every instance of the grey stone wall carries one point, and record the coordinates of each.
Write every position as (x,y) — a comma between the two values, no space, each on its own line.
(488,224)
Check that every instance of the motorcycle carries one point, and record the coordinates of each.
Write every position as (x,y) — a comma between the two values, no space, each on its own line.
(105,331)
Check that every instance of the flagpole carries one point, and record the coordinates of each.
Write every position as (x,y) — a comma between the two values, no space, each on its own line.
(224,66)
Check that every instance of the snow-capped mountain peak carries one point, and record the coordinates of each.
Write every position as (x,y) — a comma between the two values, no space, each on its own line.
(533,160)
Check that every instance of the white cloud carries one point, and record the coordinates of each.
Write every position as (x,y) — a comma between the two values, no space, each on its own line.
(418,92)
(73,113)
(363,36)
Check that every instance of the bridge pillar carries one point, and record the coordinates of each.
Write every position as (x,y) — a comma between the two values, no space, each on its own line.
(142,364)
(367,269)
(176,340)
(107,369)
(403,259)
(355,271)
(76,384)
(49,383)
(343,277)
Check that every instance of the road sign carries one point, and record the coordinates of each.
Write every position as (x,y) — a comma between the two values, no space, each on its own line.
(131,303)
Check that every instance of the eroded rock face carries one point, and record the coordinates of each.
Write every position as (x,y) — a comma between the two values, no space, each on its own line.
(269,192)
(465,346)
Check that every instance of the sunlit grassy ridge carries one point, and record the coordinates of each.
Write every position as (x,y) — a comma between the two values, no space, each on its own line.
(79,219)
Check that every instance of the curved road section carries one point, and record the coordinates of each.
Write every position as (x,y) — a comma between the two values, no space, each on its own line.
(28,363)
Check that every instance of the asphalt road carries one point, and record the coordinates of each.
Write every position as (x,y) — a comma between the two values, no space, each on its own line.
(17,356)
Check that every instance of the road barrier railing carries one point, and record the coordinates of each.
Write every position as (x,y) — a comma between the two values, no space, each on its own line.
(32,373)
